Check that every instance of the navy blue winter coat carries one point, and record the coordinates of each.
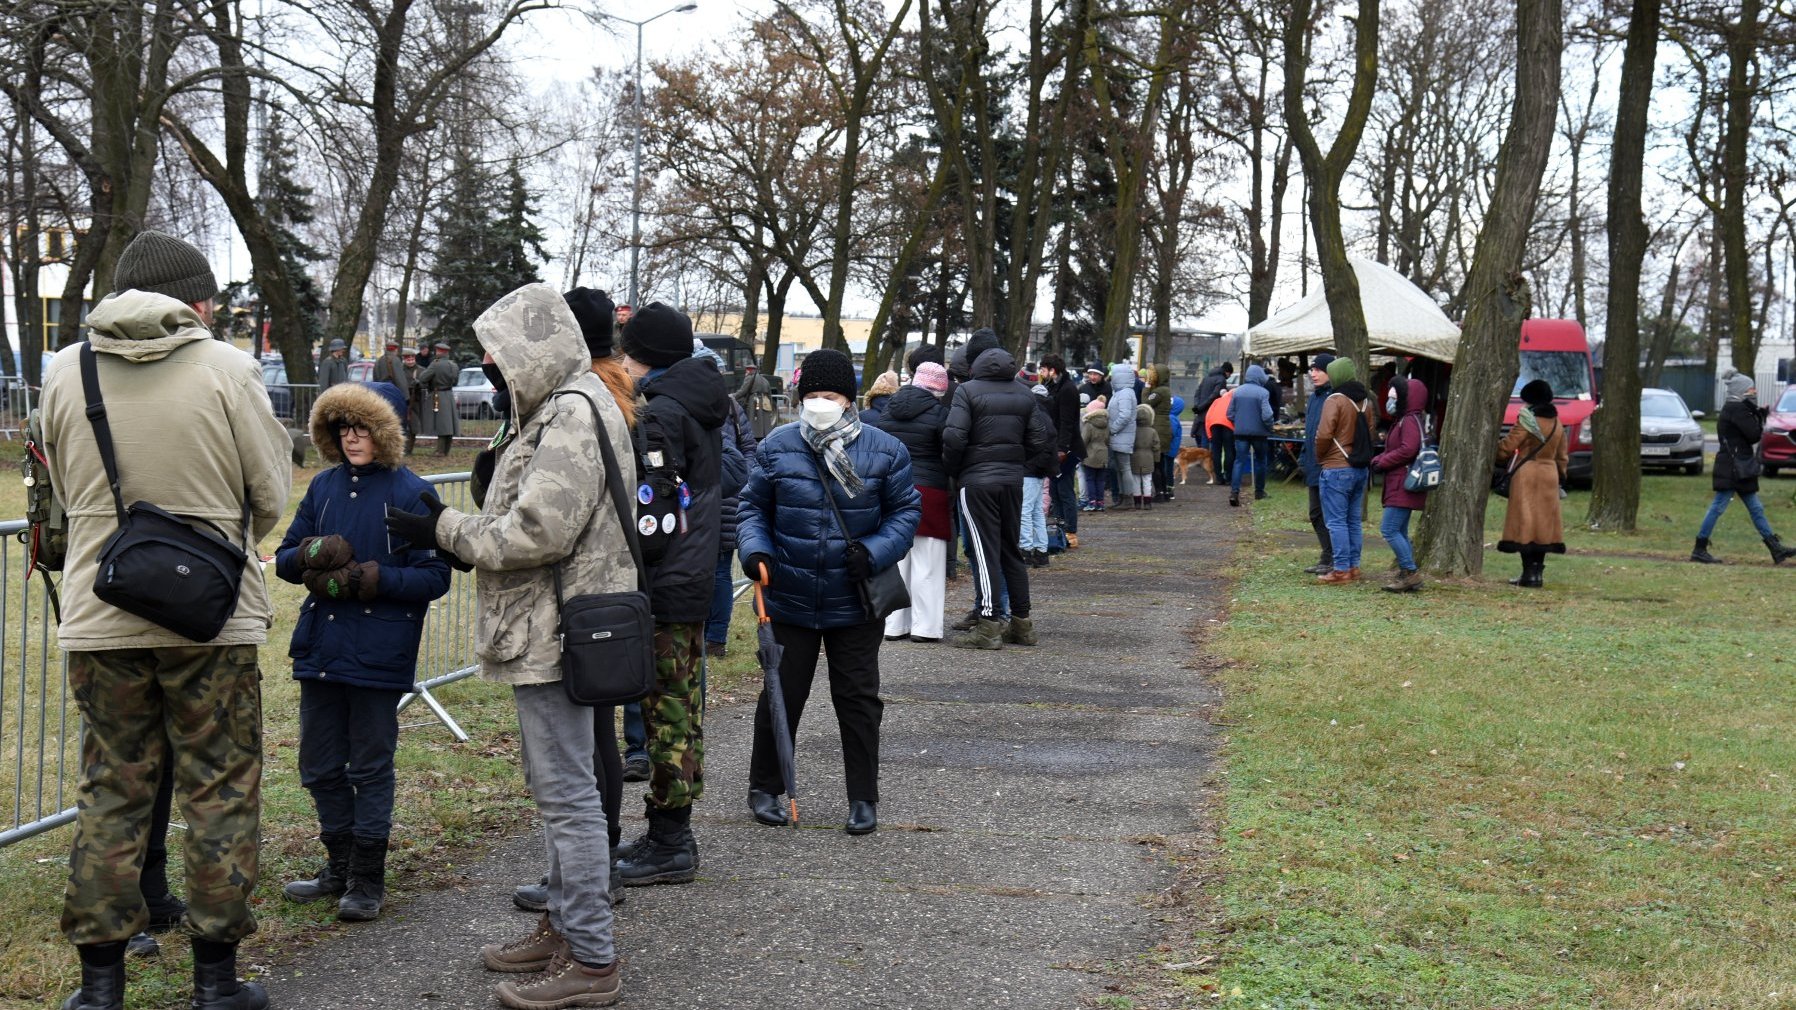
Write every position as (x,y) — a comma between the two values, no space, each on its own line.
(372,644)
(738,449)
(784,516)
(1312,474)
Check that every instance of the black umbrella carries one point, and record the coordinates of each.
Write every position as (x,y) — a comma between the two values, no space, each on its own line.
(770,653)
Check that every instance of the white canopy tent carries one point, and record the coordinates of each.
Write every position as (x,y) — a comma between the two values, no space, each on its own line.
(1400,317)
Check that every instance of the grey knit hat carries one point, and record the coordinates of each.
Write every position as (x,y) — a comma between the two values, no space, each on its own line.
(165,265)
(1738,385)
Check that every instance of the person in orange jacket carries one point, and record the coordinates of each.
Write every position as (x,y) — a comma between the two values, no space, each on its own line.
(1222,437)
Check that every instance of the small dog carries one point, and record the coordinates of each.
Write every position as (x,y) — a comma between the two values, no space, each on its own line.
(1189,455)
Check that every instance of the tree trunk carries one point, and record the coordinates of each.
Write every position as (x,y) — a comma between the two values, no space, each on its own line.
(776,320)
(1742,93)
(1615,490)
(1485,366)
(750,329)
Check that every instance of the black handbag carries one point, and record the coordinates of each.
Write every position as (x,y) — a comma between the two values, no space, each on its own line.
(608,639)
(1500,485)
(159,566)
(882,593)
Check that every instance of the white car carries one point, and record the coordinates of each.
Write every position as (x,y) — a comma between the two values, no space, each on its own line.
(474,394)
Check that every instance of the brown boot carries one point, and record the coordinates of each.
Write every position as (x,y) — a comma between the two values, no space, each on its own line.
(1335,578)
(1405,582)
(566,983)
(532,953)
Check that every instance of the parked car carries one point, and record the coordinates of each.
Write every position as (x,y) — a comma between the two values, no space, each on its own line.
(1779,447)
(283,394)
(1669,435)
(474,394)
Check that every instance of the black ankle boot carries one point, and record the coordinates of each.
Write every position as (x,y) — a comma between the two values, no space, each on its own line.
(367,891)
(1700,553)
(669,855)
(215,984)
(333,876)
(1779,553)
(102,978)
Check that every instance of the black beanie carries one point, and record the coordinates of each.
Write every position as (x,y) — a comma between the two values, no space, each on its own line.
(1537,393)
(926,352)
(983,339)
(597,317)
(658,335)
(165,265)
(826,371)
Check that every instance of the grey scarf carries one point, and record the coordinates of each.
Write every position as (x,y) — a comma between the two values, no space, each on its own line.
(831,444)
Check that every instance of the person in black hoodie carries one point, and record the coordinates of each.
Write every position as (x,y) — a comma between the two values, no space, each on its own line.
(915,416)
(993,428)
(1063,393)
(685,401)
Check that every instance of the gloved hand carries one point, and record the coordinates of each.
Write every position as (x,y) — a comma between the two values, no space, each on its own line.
(336,584)
(366,580)
(417,529)
(859,562)
(325,553)
(759,568)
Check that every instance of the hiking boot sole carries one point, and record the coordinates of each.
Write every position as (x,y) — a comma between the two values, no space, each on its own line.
(514,967)
(669,877)
(508,996)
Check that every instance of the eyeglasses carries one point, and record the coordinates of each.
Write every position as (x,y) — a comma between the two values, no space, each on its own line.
(358,430)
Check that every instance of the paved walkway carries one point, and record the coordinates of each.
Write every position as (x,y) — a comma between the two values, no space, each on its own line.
(1022,793)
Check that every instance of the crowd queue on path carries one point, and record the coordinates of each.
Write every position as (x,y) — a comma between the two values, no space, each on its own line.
(623,472)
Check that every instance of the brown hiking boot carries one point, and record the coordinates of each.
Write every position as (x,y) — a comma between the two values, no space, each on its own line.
(532,953)
(566,983)
(1405,582)
(1072,541)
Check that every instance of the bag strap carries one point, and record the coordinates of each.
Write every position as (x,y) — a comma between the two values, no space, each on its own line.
(1514,466)
(96,416)
(614,485)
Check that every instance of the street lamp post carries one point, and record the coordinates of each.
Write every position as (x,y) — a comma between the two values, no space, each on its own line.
(636,145)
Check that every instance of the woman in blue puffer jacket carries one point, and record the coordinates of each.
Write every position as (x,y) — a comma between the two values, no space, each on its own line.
(790,541)
(355,648)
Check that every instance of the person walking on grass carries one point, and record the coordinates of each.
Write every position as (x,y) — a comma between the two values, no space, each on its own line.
(1094,430)
(355,646)
(1534,451)
(1250,412)
(1344,450)
(1407,401)
(1737,469)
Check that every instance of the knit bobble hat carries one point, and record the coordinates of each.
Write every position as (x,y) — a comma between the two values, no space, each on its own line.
(658,335)
(597,316)
(165,265)
(1738,386)
(1537,393)
(826,371)
(932,377)
(1341,371)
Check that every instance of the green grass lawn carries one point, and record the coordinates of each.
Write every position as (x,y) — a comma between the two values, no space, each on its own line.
(1479,796)
(454,800)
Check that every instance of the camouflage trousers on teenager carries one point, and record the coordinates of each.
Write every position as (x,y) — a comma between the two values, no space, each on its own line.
(199,707)
(673,715)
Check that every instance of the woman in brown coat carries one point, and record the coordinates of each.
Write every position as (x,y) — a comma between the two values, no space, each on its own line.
(1535,453)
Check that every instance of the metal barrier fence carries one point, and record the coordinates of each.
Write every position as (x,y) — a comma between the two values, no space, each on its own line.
(40,727)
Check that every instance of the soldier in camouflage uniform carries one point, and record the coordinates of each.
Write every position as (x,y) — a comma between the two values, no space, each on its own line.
(148,696)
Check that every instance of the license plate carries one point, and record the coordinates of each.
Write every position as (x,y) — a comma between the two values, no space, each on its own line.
(1655,450)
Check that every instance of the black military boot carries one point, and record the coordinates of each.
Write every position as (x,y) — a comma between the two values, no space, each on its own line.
(411,442)
(443,445)
(215,984)
(367,890)
(1779,553)
(333,876)
(1700,553)
(669,855)
(102,978)
(166,910)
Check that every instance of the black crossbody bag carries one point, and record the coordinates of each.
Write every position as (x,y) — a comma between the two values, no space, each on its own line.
(608,639)
(882,593)
(159,565)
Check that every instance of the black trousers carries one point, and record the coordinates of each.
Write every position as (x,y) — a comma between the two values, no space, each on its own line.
(1222,452)
(347,736)
(853,655)
(993,516)
(608,768)
(1320,525)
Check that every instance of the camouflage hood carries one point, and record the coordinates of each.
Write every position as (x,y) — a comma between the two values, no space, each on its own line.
(535,340)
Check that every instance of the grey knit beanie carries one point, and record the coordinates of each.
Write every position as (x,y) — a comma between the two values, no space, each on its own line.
(1738,385)
(165,265)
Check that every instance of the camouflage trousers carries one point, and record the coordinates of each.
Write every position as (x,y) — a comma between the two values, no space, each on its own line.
(199,707)
(673,715)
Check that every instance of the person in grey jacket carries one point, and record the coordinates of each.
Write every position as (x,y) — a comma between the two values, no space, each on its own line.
(334,368)
(1250,411)
(1121,410)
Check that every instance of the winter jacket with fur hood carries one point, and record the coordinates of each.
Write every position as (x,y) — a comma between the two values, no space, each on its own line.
(1147,441)
(547,503)
(1122,408)
(372,643)
(192,430)
(1094,428)
(1159,397)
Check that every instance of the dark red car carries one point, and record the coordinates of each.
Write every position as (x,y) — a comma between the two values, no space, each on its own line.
(1779,447)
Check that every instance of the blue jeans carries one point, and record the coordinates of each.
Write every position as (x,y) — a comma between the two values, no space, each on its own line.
(1719,505)
(1395,528)
(1344,509)
(1253,452)
(1035,520)
(717,627)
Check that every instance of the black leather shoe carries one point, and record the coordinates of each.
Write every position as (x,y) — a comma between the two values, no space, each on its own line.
(861,818)
(767,808)
(532,897)
(142,945)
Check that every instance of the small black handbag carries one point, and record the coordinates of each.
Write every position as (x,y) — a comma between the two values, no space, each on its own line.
(883,593)
(608,639)
(159,566)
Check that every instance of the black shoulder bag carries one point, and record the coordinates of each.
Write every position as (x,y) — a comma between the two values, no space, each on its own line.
(883,592)
(158,565)
(608,639)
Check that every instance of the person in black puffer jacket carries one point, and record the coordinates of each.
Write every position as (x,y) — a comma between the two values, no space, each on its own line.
(1038,471)
(916,416)
(993,428)
(1737,468)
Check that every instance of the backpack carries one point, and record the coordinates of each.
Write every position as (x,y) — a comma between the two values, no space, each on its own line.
(1360,456)
(662,496)
(1424,473)
(48,531)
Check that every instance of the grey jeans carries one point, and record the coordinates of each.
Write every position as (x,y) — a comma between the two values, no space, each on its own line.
(558,748)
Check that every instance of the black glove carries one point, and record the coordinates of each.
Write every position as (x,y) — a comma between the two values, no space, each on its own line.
(759,568)
(860,563)
(325,553)
(417,529)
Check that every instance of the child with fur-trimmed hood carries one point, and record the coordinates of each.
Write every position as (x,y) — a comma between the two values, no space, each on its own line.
(355,646)
(1143,459)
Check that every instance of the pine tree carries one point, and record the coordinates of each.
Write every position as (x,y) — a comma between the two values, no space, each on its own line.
(488,244)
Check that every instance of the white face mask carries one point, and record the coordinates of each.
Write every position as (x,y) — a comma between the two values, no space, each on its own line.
(1390,401)
(820,413)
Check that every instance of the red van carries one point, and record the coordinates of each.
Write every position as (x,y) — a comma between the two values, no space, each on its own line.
(1558,351)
